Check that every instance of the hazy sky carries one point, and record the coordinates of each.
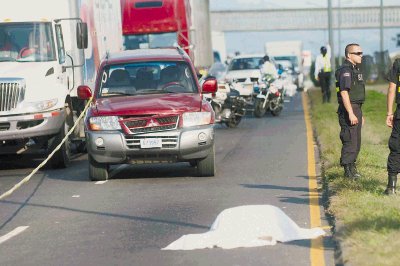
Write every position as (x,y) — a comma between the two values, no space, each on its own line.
(253,42)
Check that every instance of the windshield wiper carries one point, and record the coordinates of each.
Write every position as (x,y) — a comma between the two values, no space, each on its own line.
(7,59)
(117,94)
(154,91)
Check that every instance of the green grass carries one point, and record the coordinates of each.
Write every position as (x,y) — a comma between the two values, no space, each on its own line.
(369,222)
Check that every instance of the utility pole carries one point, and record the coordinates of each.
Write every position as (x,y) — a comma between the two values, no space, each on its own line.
(339,33)
(381,26)
(330,29)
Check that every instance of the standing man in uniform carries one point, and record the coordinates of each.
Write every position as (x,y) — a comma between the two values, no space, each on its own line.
(323,73)
(351,95)
(393,121)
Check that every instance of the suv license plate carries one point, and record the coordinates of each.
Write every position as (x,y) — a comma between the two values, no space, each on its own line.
(150,143)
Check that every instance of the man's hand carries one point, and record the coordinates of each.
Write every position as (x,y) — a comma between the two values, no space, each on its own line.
(353,119)
(389,120)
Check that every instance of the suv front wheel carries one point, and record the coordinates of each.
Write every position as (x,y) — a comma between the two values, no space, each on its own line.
(206,166)
(97,171)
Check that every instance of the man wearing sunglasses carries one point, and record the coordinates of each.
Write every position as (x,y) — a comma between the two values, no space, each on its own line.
(393,121)
(350,89)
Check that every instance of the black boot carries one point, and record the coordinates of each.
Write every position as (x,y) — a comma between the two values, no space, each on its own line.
(354,171)
(347,171)
(391,186)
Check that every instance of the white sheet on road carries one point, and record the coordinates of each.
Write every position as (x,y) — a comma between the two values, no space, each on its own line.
(246,226)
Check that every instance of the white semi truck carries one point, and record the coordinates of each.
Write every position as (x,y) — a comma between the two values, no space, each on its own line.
(47,49)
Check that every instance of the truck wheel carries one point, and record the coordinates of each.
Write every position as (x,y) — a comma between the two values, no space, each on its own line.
(97,171)
(61,158)
(259,111)
(206,166)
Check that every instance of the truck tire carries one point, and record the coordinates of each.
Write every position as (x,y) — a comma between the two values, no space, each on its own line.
(259,111)
(206,166)
(61,158)
(97,171)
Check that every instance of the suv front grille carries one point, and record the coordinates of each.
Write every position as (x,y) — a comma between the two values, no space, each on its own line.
(168,142)
(150,124)
(12,92)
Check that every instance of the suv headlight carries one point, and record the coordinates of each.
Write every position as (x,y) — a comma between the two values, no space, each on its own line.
(97,123)
(196,119)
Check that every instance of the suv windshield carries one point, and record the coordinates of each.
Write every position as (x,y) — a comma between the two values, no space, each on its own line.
(26,42)
(146,78)
(245,63)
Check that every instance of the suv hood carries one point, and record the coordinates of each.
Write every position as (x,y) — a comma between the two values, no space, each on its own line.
(234,74)
(148,104)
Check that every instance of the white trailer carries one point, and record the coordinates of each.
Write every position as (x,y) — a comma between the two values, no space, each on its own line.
(47,49)
(201,34)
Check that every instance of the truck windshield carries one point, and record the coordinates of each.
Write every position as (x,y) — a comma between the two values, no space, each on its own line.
(161,40)
(147,78)
(245,63)
(26,42)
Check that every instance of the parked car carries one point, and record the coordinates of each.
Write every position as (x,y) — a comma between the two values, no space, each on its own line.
(148,108)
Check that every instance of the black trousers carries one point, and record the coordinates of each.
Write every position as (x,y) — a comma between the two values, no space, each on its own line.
(350,135)
(393,164)
(325,81)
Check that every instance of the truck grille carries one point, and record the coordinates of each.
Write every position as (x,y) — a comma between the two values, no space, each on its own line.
(12,92)
(4,126)
(168,142)
(150,124)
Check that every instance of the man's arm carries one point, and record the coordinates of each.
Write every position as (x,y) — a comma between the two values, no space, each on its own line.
(317,67)
(390,100)
(346,102)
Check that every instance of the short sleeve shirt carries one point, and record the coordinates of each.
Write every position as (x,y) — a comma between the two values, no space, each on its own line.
(345,79)
(392,75)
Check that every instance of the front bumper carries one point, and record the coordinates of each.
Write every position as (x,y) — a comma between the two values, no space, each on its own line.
(31,125)
(184,144)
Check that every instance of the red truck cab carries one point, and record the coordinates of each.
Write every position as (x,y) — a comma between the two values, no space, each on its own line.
(148,108)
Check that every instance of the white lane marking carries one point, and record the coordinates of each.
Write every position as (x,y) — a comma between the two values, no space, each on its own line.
(13,233)
(100,182)
(75,196)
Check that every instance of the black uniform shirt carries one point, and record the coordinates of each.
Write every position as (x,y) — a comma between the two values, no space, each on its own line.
(392,75)
(345,77)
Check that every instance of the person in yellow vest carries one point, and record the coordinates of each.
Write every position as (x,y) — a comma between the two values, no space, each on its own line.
(322,73)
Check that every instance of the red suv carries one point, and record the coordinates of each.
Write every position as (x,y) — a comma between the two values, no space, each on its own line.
(148,108)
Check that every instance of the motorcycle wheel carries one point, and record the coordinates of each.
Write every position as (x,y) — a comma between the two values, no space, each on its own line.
(259,111)
(277,111)
(233,121)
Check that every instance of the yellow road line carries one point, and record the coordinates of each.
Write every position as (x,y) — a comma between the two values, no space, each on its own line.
(317,245)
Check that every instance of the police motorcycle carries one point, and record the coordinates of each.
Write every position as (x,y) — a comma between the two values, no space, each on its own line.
(269,96)
(228,105)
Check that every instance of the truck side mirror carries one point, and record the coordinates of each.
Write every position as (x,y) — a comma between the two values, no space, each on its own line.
(210,85)
(84,92)
(82,35)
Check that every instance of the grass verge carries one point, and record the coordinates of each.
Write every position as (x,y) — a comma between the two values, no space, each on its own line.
(368,222)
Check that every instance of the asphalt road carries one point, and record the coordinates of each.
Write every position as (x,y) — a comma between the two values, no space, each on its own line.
(143,208)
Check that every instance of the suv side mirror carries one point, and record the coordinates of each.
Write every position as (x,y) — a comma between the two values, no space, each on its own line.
(210,85)
(84,92)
